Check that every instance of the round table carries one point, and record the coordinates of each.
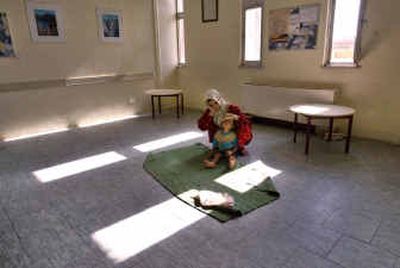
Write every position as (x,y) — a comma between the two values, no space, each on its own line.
(160,93)
(322,111)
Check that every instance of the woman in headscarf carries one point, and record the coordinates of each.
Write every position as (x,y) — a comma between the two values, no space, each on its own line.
(217,109)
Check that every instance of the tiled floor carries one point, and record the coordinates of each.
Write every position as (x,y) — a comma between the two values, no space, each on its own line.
(336,210)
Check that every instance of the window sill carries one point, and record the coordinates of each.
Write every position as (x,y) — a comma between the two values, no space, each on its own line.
(341,65)
(182,65)
(251,66)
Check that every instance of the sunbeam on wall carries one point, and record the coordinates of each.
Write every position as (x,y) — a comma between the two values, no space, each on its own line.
(78,166)
(132,235)
(247,177)
(165,142)
(34,134)
(96,122)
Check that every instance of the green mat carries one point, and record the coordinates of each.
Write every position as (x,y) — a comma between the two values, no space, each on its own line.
(181,170)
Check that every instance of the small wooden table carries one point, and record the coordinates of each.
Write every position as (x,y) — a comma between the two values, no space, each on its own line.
(160,93)
(322,111)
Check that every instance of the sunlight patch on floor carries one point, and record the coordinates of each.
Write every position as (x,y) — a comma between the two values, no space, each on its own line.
(135,234)
(78,166)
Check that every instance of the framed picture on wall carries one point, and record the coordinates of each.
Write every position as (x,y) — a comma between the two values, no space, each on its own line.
(294,28)
(6,43)
(209,10)
(45,22)
(110,25)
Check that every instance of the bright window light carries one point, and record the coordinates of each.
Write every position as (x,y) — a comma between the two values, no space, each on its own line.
(165,142)
(247,177)
(37,134)
(253,27)
(180,27)
(181,41)
(106,121)
(179,6)
(345,29)
(77,166)
(131,236)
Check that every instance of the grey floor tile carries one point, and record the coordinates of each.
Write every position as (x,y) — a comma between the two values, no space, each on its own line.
(267,249)
(351,253)
(316,238)
(46,237)
(388,236)
(397,265)
(305,259)
(358,224)
(323,194)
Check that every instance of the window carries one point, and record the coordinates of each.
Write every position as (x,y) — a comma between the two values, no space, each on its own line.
(252,33)
(180,27)
(345,24)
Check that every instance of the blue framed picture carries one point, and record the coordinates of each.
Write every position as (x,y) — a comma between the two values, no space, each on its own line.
(110,25)
(6,43)
(46,22)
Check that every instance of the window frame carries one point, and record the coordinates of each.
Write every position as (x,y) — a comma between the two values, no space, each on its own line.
(329,36)
(250,4)
(180,16)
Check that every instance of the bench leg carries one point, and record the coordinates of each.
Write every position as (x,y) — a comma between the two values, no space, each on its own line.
(330,129)
(177,106)
(308,135)
(182,104)
(296,116)
(348,138)
(152,107)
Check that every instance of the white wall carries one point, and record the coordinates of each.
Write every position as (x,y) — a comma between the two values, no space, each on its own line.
(49,105)
(82,53)
(213,51)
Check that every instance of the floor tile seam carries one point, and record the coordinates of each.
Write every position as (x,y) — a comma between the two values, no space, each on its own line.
(80,235)
(376,247)
(19,238)
(376,231)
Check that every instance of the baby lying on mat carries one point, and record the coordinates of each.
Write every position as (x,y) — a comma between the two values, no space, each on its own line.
(224,143)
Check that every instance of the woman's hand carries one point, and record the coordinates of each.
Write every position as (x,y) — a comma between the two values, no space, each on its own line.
(234,116)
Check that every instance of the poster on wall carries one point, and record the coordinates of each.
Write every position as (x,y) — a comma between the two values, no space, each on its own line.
(45,21)
(6,44)
(294,28)
(110,25)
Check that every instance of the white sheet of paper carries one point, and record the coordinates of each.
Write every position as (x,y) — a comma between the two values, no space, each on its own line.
(247,177)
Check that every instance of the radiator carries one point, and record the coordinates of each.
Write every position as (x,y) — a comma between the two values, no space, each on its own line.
(273,102)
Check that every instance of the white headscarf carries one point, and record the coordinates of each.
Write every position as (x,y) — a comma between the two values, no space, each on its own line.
(213,94)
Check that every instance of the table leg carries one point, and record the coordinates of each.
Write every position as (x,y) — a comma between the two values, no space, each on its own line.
(308,135)
(177,105)
(182,106)
(348,138)
(296,116)
(152,107)
(159,104)
(330,129)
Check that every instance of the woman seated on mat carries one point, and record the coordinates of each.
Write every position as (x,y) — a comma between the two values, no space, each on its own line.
(217,109)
